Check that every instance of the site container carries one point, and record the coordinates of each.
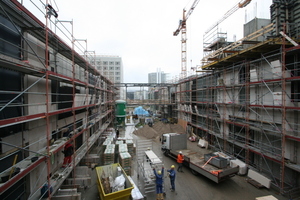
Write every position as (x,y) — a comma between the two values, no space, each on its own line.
(120,111)
(113,170)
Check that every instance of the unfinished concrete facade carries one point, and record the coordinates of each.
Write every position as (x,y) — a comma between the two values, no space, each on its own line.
(50,96)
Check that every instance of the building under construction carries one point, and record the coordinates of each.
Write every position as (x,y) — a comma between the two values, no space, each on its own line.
(50,96)
(243,102)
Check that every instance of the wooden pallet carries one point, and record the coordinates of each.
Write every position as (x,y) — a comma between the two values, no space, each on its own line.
(254,183)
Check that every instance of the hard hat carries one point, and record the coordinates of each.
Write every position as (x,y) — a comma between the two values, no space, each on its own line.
(148,148)
(172,166)
(180,152)
(159,172)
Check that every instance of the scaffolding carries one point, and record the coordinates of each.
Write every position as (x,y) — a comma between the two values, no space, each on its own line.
(247,103)
(56,96)
(146,161)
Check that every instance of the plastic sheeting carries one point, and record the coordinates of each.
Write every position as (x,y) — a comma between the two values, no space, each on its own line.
(119,183)
(140,111)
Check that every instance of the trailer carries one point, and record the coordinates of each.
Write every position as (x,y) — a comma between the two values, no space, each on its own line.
(211,165)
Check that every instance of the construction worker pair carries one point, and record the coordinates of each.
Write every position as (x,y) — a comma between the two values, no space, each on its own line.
(160,196)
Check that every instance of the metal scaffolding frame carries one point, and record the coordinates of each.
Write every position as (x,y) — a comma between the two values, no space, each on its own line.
(243,107)
(48,58)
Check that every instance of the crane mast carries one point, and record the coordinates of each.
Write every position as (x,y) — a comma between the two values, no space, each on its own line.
(182,28)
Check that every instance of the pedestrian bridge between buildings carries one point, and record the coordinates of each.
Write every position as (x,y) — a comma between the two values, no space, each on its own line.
(136,102)
(144,84)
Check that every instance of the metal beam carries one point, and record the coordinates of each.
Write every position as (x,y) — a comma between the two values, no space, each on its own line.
(144,84)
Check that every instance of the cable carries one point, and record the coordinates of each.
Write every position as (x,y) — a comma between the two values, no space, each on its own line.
(23,149)
(187,4)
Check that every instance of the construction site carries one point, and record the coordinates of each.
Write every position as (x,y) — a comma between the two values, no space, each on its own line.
(243,102)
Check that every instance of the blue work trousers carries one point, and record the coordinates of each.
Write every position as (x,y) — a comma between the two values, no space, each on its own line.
(159,189)
(172,180)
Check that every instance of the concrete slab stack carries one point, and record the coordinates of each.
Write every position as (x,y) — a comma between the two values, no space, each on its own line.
(119,142)
(125,162)
(109,154)
(108,141)
(122,148)
(130,147)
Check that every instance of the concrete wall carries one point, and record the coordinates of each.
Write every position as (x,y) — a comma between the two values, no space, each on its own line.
(15,139)
(36,97)
(34,51)
(255,25)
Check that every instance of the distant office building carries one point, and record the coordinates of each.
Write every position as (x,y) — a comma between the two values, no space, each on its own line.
(112,68)
(158,77)
(141,94)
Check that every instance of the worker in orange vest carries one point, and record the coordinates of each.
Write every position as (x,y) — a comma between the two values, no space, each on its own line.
(180,160)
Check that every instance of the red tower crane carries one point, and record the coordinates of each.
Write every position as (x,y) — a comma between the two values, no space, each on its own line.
(182,28)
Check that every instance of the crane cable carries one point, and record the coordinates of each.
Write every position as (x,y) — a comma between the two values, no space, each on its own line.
(187,4)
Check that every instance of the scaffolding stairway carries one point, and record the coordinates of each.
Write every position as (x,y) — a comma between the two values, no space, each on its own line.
(145,175)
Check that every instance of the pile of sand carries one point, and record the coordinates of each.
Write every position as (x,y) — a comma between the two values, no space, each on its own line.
(157,130)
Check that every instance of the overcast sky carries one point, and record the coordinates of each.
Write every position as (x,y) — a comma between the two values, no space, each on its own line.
(141,31)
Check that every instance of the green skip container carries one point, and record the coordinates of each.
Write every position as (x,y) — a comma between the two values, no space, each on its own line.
(120,111)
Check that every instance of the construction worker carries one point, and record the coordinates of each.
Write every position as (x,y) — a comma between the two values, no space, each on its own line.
(159,183)
(180,160)
(68,152)
(117,133)
(172,175)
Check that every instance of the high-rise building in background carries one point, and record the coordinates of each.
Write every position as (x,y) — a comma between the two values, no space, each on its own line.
(158,77)
(111,66)
(141,94)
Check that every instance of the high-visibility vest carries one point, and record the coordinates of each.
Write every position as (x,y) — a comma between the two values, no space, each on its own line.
(180,158)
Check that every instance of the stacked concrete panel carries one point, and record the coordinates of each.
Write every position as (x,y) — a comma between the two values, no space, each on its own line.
(130,147)
(122,148)
(119,142)
(125,162)
(105,143)
(109,154)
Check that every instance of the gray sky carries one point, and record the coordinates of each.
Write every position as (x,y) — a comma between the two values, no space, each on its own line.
(141,31)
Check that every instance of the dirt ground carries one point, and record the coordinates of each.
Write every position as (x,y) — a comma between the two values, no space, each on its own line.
(188,186)
(157,130)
